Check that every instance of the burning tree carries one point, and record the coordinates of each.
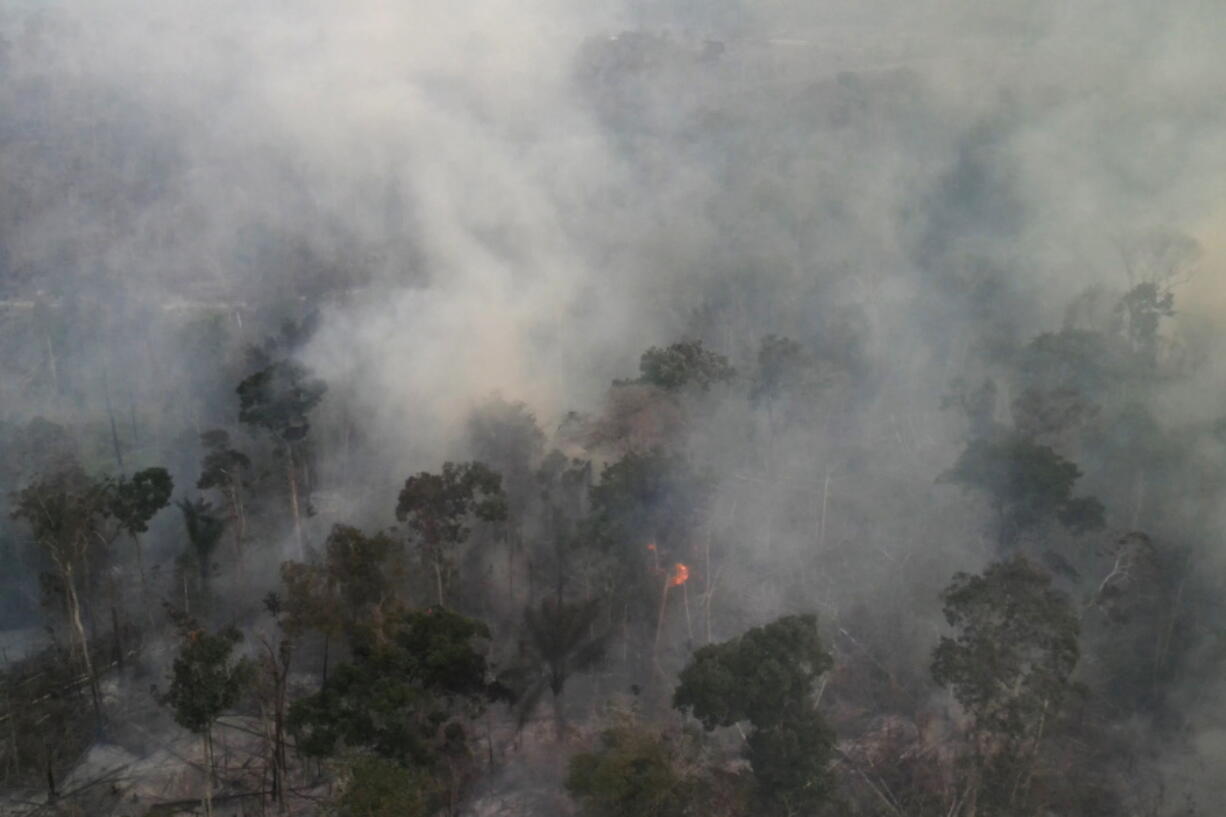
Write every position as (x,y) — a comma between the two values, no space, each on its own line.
(646,499)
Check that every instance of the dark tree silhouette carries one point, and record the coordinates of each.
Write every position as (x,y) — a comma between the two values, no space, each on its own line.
(440,507)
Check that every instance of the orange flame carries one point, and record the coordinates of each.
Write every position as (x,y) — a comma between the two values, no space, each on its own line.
(651,546)
(681,575)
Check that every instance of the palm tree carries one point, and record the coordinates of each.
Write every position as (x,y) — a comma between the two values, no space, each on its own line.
(560,640)
(204,529)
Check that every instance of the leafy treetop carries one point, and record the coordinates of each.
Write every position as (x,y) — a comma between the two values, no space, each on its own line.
(278,399)
(764,676)
(1027,484)
(684,364)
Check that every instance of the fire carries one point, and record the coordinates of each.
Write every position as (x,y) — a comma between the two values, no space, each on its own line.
(681,575)
(651,546)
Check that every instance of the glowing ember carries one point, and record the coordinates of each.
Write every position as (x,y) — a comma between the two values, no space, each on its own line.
(681,575)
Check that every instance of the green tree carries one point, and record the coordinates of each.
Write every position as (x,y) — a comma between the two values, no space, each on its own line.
(311,603)
(278,399)
(1027,485)
(767,677)
(69,515)
(687,363)
(223,470)
(633,773)
(206,680)
(355,590)
(440,507)
(136,500)
(375,787)
(406,698)
(1008,665)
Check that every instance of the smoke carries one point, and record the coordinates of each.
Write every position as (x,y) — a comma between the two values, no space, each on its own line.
(520,197)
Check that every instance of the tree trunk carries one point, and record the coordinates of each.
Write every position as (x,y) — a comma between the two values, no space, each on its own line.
(144,584)
(559,716)
(51,792)
(74,608)
(438,578)
(323,676)
(206,737)
(291,472)
(511,570)
(280,761)
(117,637)
(110,413)
(237,520)
(51,364)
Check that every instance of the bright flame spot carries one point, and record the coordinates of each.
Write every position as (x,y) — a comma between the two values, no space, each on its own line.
(681,575)
(651,546)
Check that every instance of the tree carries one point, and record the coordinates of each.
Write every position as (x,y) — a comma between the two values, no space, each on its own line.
(767,677)
(1073,359)
(273,689)
(632,774)
(206,680)
(75,519)
(1141,310)
(560,640)
(223,470)
(357,589)
(1050,415)
(682,364)
(366,573)
(135,502)
(507,438)
(311,603)
(204,529)
(1027,484)
(1016,645)
(68,514)
(439,507)
(564,488)
(278,399)
(977,405)
(786,373)
(406,699)
(650,497)
(375,787)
